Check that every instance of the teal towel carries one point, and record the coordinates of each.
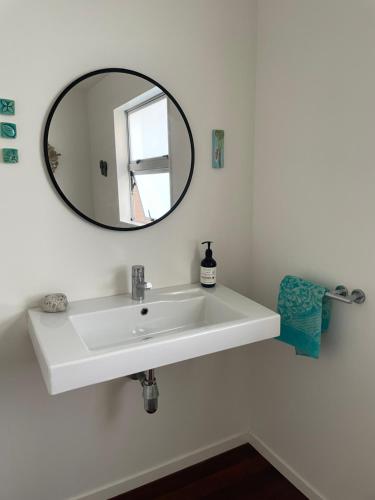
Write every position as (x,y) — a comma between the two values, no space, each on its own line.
(305,314)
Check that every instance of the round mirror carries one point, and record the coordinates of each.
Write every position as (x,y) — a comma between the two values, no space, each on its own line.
(119,149)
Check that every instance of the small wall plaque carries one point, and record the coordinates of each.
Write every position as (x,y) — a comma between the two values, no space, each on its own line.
(217,148)
(7,106)
(10,155)
(8,130)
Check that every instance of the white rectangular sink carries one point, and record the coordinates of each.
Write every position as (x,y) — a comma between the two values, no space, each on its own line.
(102,339)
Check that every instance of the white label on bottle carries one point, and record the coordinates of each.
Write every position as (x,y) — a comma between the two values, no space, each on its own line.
(208,275)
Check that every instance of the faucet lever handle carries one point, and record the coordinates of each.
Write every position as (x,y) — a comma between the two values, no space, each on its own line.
(147,285)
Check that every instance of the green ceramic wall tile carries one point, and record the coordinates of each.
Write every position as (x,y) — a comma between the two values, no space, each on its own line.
(7,106)
(10,155)
(8,130)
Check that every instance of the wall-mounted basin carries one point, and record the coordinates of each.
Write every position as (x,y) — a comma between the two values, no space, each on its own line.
(102,339)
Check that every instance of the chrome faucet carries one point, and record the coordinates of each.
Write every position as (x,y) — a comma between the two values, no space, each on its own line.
(139,285)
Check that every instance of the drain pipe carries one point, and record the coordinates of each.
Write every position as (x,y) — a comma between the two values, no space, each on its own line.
(150,389)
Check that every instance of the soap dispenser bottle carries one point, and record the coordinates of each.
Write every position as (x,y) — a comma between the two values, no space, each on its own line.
(208,268)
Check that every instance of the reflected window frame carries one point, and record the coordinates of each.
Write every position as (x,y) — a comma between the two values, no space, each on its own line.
(146,166)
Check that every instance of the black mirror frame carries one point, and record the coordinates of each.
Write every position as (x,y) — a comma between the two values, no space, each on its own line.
(49,168)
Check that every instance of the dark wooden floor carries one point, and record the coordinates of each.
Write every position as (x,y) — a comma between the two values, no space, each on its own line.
(238,474)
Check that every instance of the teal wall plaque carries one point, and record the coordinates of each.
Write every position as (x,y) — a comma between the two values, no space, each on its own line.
(217,148)
(8,130)
(10,155)
(7,106)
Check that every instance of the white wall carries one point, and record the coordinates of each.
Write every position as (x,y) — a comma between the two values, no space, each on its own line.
(53,447)
(69,135)
(313,216)
(179,152)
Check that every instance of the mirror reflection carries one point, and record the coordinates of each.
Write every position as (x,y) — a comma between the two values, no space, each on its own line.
(118,149)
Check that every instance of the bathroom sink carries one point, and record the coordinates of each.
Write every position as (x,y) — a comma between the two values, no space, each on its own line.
(102,339)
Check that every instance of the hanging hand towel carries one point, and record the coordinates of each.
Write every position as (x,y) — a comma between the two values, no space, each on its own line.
(305,314)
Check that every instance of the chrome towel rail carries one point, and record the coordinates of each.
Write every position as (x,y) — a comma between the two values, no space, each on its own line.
(341,293)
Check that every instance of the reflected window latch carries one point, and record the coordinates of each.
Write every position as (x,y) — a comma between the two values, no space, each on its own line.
(103,168)
(133,182)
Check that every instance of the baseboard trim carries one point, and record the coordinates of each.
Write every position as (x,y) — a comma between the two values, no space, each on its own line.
(164,469)
(186,460)
(285,469)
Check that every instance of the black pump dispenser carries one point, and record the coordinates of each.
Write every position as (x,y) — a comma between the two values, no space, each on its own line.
(208,250)
(208,268)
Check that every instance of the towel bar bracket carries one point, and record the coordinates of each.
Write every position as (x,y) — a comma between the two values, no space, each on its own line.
(341,294)
(359,296)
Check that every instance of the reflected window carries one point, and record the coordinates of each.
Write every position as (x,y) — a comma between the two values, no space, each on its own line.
(149,168)
(148,130)
(154,191)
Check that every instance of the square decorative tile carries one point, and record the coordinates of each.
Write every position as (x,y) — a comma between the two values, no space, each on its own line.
(7,106)
(8,130)
(10,155)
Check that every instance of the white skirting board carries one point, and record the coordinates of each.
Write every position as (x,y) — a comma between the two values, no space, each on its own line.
(164,469)
(298,481)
